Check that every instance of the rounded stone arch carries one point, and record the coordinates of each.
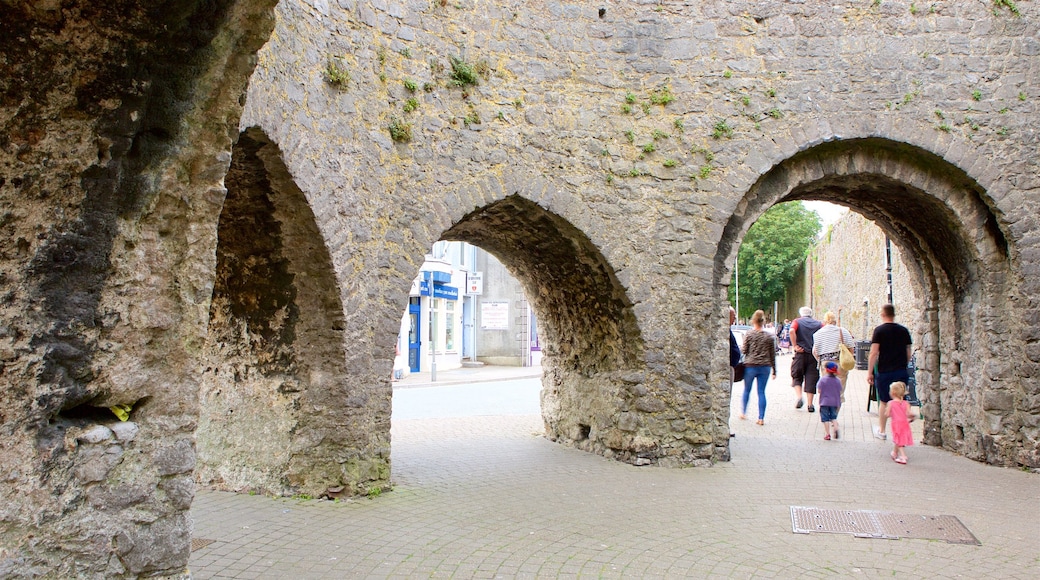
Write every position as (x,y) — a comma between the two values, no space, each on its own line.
(951,237)
(592,343)
(278,411)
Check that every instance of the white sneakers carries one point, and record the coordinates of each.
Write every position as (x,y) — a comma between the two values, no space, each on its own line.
(878,434)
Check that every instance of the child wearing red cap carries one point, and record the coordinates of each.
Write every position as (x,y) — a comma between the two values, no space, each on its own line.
(829,390)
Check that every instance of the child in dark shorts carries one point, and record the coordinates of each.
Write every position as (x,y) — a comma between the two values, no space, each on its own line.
(829,390)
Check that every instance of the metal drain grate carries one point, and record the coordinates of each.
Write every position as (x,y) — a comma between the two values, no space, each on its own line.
(199,543)
(872,524)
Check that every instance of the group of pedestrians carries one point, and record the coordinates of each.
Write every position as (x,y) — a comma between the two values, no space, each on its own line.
(816,370)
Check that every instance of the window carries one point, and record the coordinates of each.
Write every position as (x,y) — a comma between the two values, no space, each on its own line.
(436,332)
(449,325)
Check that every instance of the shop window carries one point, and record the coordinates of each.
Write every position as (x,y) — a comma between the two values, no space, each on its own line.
(449,325)
(436,331)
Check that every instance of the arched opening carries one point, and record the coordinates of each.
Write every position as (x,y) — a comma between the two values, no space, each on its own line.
(277,414)
(960,262)
(593,395)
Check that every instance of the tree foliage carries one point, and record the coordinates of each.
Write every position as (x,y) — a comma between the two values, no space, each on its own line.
(771,254)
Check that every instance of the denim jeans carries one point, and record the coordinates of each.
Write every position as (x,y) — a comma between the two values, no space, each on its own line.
(762,375)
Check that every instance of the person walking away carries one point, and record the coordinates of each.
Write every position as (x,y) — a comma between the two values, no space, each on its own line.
(805,371)
(826,343)
(785,337)
(734,348)
(829,388)
(901,415)
(889,356)
(759,360)
(734,354)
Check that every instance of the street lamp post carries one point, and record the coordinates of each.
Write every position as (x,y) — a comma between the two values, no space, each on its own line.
(736,282)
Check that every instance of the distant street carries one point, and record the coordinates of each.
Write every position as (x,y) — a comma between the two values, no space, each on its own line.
(509,397)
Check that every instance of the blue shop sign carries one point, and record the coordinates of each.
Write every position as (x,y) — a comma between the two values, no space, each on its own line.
(448,292)
(437,277)
(424,288)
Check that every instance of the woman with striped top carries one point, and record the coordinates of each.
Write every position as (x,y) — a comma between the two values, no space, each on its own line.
(825,345)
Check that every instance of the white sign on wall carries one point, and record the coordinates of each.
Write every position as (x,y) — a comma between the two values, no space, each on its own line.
(475,283)
(494,315)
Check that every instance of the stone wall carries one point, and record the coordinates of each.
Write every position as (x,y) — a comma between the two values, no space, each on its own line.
(847,268)
(612,156)
(614,160)
(276,374)
(116,124)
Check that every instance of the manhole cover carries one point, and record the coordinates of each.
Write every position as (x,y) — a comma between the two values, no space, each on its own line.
(873,524)
(199,543)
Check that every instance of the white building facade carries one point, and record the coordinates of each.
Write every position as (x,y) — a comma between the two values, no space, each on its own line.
(465,307)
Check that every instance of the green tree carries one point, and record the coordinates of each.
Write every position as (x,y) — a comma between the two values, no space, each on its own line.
(771,254)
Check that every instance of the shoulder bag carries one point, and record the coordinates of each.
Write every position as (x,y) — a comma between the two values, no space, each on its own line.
(846,360)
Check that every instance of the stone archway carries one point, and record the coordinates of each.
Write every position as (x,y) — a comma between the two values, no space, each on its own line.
(278,414)
(959,258)
(593,346)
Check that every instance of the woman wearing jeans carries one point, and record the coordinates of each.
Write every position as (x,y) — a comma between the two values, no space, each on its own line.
(759,360)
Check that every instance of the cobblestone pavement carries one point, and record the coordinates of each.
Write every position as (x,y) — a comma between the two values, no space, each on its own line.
(485,496)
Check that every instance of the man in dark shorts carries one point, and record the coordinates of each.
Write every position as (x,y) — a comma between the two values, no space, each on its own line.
(805,370)
(889,355)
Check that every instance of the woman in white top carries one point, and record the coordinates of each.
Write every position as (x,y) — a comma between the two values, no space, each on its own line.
(825,345)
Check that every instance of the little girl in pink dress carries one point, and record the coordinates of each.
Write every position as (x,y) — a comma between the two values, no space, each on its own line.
(900,414)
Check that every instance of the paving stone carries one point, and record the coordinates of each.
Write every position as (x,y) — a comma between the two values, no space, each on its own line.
(484,496)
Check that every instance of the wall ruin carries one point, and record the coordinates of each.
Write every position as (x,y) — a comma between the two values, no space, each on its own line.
(613,157)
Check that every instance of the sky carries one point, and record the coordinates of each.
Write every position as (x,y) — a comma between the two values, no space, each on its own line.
(829,212)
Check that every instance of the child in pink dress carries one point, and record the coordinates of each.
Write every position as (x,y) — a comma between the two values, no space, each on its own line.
(900,414)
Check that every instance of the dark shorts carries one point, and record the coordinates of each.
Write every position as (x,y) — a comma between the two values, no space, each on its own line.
(805,371)
(828,414)
(882,382)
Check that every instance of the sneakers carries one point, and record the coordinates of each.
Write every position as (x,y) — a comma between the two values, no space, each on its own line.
(799,404)
(826,437)
(878,434)
(837,435)
(812,409)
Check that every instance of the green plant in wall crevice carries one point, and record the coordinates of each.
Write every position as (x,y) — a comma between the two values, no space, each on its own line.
(721,129)
(662,96)
(462,73)
(1009,4)
(400,131)
(335,73)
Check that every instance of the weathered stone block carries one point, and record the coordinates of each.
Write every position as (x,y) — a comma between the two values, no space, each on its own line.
(95,434)
(176,458)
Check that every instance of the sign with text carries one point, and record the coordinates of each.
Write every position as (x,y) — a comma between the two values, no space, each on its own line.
(444,291)
(494,315)
(475,283)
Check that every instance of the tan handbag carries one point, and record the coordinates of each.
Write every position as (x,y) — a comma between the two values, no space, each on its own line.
(846,360)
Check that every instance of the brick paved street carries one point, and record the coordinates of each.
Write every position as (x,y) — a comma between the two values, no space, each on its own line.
(485,496)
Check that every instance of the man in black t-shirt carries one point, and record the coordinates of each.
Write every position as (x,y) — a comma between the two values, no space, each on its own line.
(889,356)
